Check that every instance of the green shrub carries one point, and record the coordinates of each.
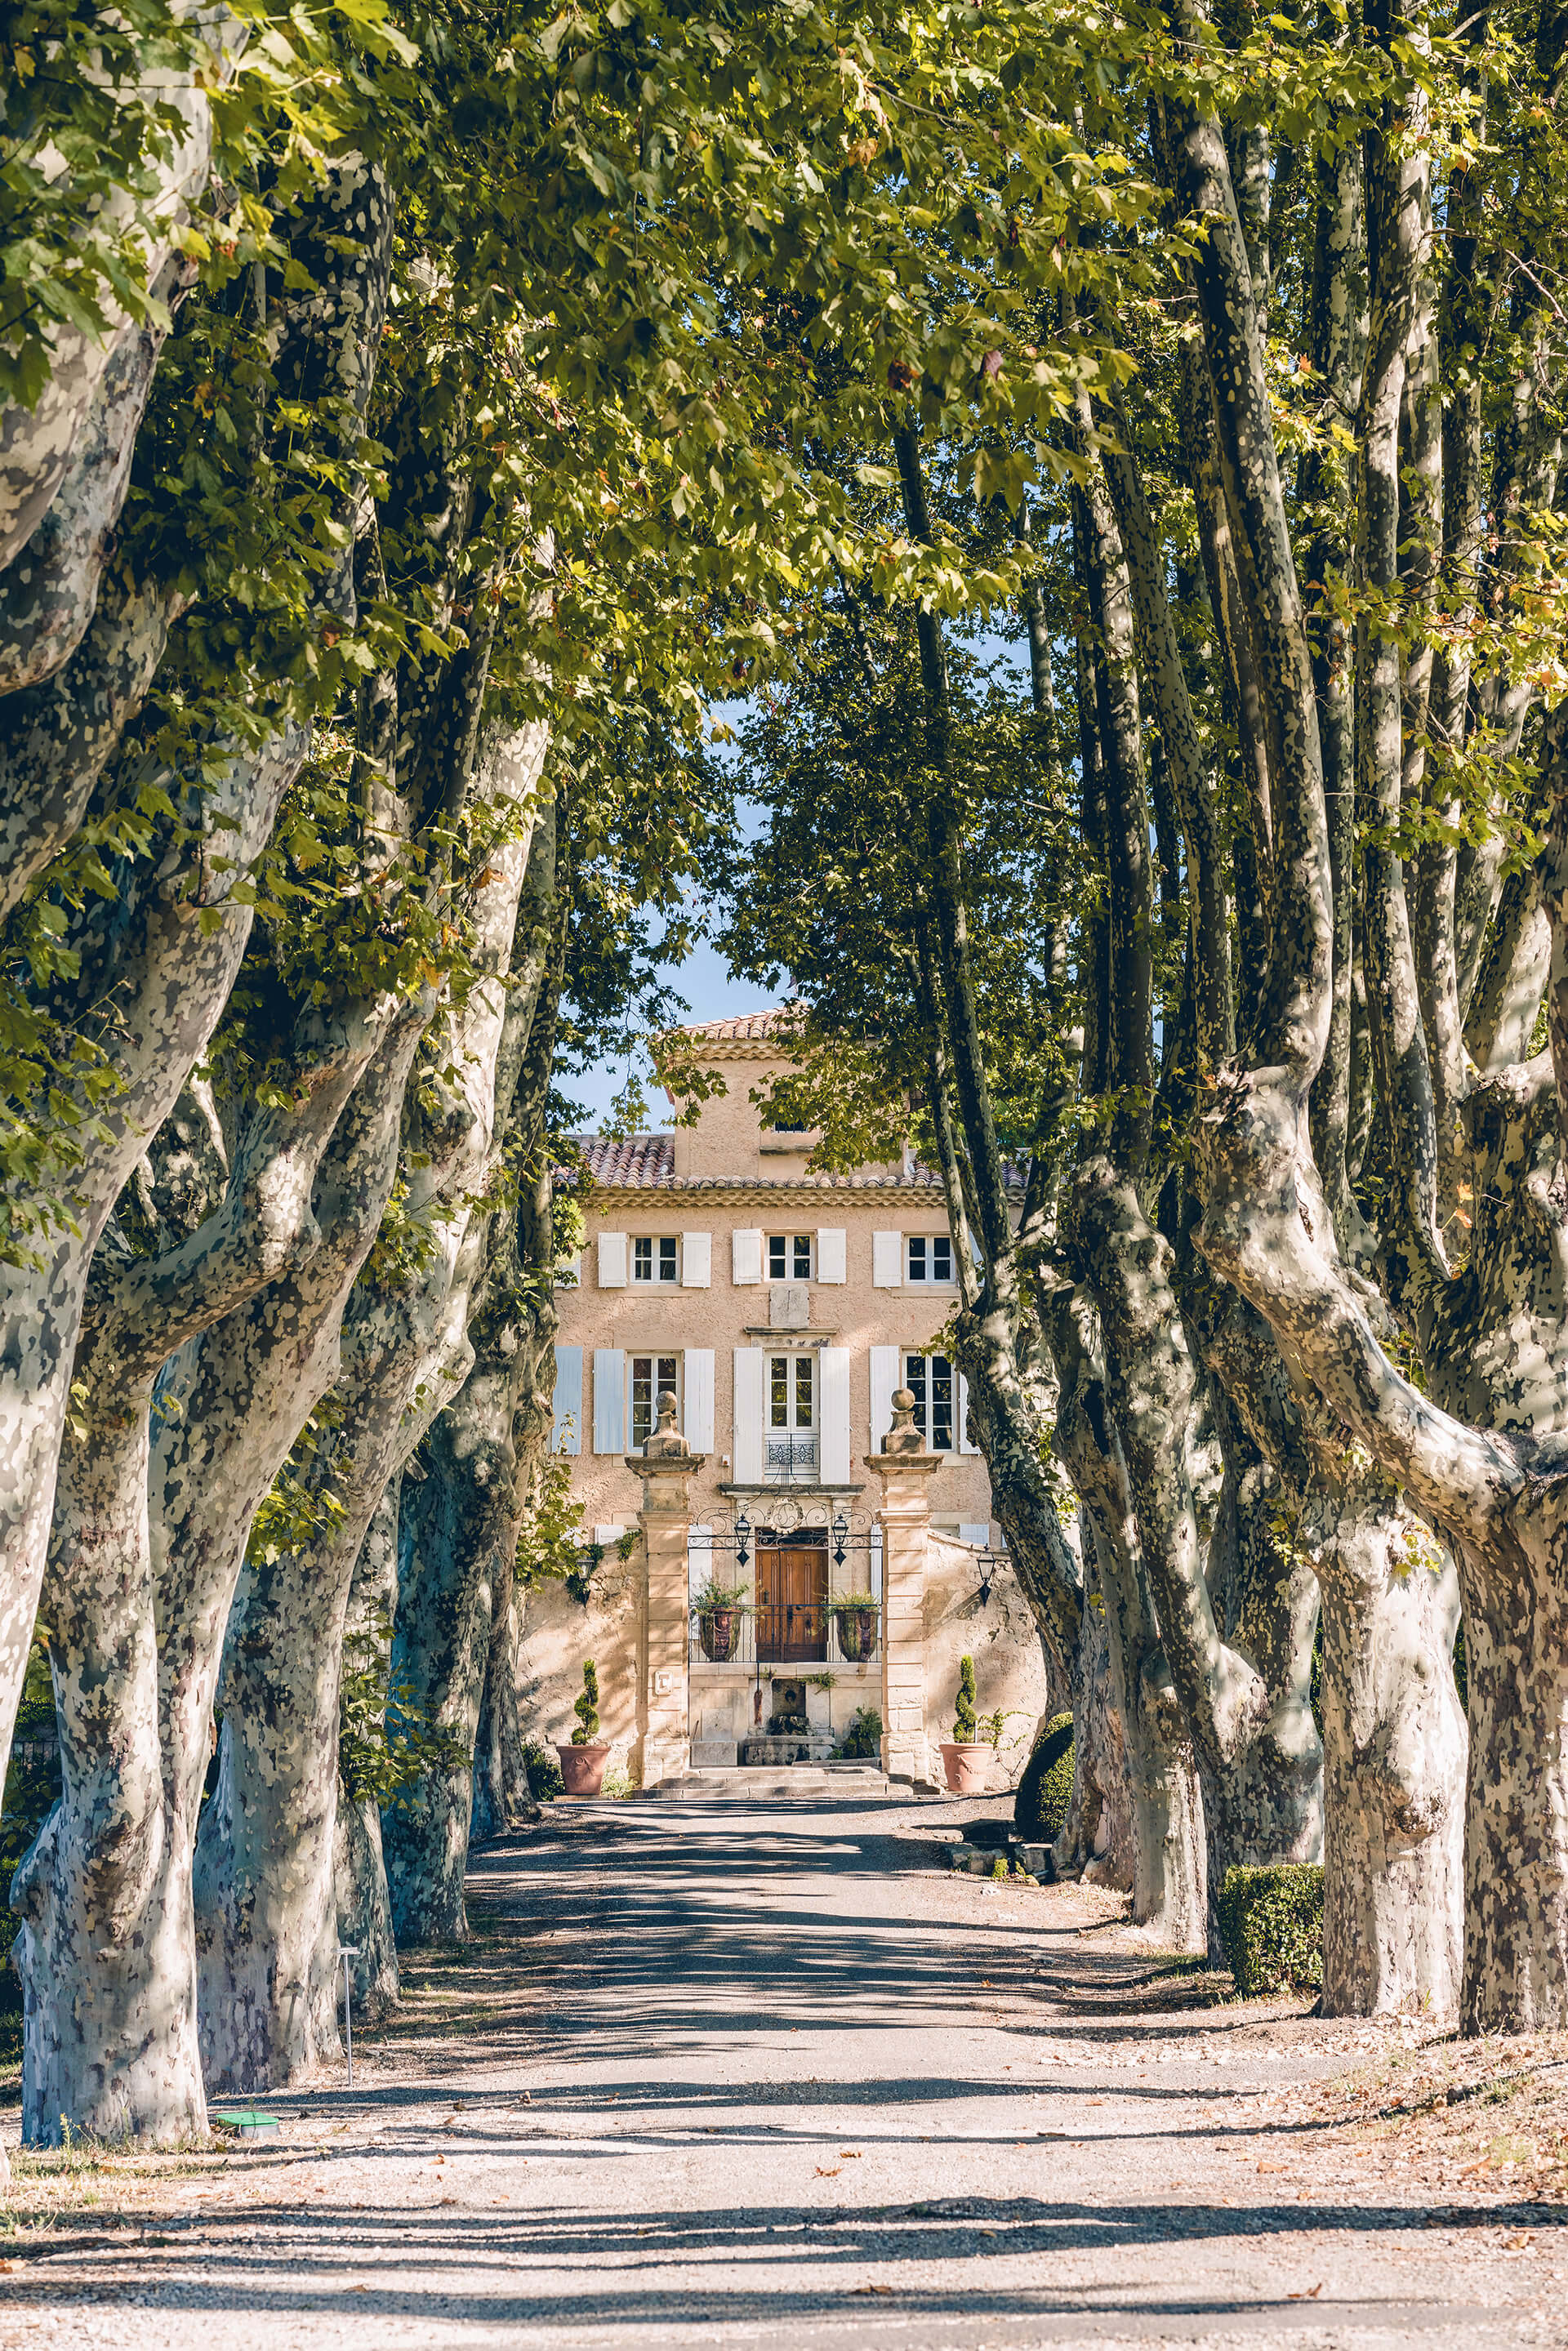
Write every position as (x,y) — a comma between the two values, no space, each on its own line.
(1045,1790)
(863,1737)
(964,1709)
(586,1708)
(545,1781)
(1272,1924)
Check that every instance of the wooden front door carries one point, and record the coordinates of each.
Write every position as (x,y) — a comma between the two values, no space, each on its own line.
(792,1602)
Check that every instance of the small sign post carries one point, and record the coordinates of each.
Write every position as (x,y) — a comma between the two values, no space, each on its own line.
(347,1951)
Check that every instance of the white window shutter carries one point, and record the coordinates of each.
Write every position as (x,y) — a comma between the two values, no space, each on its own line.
(696,1260)
(565,1436)
(833,1365)
(612,1260)
(964,1444)
(698,1426)
(832,1254)
(609,1400)
(747,1456)
(568,1273)
(886,1260)
(885,1376)
(977,1532)
(746,1256)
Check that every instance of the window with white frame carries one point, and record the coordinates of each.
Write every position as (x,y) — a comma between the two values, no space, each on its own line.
(646,1375)
(788,1257)
(933,1383)
(655,1258)
(791,1392)
(930,1257)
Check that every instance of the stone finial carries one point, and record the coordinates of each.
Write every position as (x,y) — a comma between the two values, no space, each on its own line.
(903,1437)
(666,1443)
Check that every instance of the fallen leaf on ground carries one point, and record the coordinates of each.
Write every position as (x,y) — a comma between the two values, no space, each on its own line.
(1273,2167)
(870,2289)
(828,2175)
(1311,2293)
(849,2154)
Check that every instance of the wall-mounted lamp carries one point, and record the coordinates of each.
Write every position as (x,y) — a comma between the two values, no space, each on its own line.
(988,1563)
(742,1540)
(841,1529)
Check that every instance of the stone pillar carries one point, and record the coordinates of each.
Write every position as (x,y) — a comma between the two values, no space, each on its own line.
(666,1466)
(904,1467)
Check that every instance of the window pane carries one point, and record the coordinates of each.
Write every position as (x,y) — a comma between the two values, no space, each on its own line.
(802,1257)
(778,1256)
(916,1259)
(642,1399)
(668,1368)
(803,1390)
(942,1258)
(941,1404)
(641,1261)
(667,1258)
(779,1391)
(914,1380)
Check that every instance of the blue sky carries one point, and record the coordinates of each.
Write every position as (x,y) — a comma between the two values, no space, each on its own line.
(703,979)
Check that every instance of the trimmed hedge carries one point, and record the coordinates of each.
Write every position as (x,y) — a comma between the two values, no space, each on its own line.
(1272,1924)
(1045,1790)
(545,1781)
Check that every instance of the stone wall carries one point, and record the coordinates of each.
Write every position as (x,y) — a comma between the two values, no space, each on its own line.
(1010,1665)
(559,1634)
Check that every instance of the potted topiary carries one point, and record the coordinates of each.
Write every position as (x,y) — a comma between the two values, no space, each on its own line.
(966,1759)
(718,1607)
(856,1615)
(582,1762)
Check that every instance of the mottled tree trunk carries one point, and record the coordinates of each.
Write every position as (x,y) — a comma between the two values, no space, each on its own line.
(461,1523)
(1394,1766)
(1096,1838)
(266,1912)
(1392,1736)
(1163,1799)
(106,1891)
(359,1870)
(1237,1626)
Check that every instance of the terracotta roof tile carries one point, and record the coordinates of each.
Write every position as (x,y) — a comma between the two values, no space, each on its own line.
(635,1161)
(744,1028)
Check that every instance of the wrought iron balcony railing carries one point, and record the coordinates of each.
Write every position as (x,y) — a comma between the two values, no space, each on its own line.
(792,1460)
(789,1633)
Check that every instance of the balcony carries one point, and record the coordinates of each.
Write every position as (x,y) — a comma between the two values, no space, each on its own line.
(792,1460)
(789,1633)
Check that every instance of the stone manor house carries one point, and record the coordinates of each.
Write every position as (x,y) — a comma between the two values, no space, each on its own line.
(782,1309)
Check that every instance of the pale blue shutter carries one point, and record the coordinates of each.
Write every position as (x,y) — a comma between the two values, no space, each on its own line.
(565,1434)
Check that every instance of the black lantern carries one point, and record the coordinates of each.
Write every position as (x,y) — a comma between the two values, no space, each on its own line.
(742,1538)
(987,1570)
(841,1529)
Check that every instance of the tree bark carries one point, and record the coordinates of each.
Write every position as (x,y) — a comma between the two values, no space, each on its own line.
(359,1869)
(1166,1807)
(1241,1676)
(265,1906)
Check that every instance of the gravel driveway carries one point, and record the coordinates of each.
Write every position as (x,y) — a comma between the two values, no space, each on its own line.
(775,2079)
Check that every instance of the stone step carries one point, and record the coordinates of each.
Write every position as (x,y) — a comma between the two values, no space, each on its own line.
(752,1783)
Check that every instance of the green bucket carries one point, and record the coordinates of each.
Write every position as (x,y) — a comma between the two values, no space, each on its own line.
(243,2119)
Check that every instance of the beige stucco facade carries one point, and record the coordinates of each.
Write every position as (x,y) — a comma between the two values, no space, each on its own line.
(785,1309)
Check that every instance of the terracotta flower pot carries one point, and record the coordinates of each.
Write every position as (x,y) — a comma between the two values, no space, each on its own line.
(716,1630)
(857,1633)
(966,1767)
(582,1768)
